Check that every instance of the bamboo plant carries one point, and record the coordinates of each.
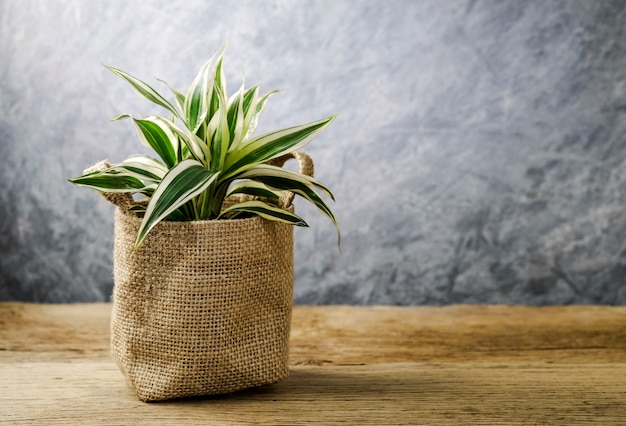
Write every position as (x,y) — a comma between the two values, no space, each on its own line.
(206,151)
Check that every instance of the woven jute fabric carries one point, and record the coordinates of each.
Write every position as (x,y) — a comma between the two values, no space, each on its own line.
(201,307)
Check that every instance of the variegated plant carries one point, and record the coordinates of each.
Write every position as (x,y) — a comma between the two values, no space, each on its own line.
(207,151)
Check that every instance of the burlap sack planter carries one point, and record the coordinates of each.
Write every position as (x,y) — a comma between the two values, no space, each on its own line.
(202,307)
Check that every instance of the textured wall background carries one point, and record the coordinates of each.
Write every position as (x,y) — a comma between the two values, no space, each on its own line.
(478,156)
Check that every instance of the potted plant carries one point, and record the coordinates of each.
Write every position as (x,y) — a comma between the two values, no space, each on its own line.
(203,248)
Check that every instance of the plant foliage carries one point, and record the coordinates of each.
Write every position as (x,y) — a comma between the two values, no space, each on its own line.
(206,151)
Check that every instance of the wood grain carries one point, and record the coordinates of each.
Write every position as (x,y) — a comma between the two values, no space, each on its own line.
(350,365)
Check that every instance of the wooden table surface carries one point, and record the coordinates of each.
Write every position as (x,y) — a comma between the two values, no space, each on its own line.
(349,365)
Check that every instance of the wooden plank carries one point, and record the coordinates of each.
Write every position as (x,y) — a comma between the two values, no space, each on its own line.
(93,392)
(355,335)
(33,331)
(350,365)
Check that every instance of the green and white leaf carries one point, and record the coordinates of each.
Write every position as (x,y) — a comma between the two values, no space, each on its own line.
(142,167)
(182,183)
(260,106)
(212,156)
(266,211)
(272,145)
(196,104)
(250,100)
(219,133)
(196,146)
(138,209)
(179,97)
(251,187)
(236,119)
(256,107)
(218,93)
(286,180)
(109,181)
(269,171)
(154,133)
(146,91)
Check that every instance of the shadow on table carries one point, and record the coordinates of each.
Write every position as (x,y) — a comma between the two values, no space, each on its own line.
(345,383)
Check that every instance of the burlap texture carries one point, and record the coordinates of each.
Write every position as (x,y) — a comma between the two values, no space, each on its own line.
(201,307)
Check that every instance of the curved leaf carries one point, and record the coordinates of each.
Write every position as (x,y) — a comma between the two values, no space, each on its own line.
(253,111)
(219,133)
(142,167)
(266,211)
(178,96)
(197,102)
(107,181)
(186,180)
(251,187)
(154,134)
(196,146)
(268,170)
(236,119)
(286,180)
(145,90)
(272,145)
(298,187)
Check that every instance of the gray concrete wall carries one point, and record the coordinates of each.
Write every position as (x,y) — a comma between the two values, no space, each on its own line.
(478,155)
